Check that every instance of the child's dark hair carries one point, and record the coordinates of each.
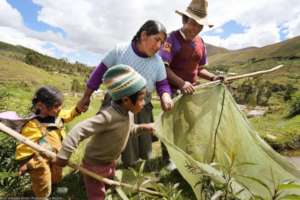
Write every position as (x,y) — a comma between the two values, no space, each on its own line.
(47,95)
(133,97)
(151,27)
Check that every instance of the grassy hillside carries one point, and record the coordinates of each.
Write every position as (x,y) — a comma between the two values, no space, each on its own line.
(212,50)
(39,60)
(286,50)
(19,80)
(16,71)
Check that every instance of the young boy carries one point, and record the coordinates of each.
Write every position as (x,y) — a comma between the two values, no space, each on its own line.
(110,128)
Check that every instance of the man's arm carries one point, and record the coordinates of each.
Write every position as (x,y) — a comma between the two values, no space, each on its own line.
(173,78)
(203,73)
(185,86)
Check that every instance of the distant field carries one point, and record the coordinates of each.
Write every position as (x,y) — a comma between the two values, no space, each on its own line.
(13,71)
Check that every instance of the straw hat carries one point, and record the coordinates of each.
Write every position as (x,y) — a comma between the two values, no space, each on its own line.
(197,10)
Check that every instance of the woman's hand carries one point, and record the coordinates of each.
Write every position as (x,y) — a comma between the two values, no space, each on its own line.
(166,102)
(83,104)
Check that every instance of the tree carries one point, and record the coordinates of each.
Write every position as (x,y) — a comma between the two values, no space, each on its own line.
(76,87)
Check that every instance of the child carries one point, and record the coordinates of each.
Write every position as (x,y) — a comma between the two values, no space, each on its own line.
(109,129)
(46,128)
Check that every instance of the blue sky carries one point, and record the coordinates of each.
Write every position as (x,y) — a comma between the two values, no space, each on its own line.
(29,12)
(84,30)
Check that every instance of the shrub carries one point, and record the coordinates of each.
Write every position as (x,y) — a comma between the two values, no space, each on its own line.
(295,105)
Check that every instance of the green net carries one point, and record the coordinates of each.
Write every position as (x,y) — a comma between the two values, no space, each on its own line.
(208,136)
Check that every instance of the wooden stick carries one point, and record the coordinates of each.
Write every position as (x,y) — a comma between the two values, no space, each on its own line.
(232,78)
(51,154)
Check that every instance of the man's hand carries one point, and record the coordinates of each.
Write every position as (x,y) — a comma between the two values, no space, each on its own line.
(60,162)
(166,102)
(187,88)
(218,77)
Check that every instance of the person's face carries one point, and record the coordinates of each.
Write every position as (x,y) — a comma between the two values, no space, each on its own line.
(191,29)
(139,104)
(49,112)
(152,43)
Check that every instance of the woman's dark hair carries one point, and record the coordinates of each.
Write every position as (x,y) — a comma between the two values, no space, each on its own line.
(132,97)
(151,27)
(47,95)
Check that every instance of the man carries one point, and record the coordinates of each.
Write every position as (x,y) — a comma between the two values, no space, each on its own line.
(184,53)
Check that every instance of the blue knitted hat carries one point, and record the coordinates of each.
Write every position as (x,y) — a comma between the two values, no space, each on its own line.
(122,80)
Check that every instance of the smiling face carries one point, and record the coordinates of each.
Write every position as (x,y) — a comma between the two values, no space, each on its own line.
(150,44)
(191,29)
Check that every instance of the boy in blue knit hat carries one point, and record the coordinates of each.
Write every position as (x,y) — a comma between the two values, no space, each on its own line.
(109,129)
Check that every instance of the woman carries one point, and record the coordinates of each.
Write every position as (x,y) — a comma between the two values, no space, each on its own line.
(141,55)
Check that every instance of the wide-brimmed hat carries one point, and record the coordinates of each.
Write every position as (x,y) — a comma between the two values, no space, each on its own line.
(197,10)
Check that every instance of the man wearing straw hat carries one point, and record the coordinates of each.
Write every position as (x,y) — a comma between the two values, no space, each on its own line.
(184,53)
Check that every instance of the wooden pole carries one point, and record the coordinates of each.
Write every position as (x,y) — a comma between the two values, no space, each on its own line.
(232,78)
(51,154)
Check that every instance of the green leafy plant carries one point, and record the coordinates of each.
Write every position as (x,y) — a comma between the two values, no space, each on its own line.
(225,191)
(10,182)
(295,105)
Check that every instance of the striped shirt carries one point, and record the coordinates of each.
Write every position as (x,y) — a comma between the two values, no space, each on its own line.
(151,68)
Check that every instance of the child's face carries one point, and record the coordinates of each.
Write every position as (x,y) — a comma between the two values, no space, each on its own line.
(49,112)
(139,104)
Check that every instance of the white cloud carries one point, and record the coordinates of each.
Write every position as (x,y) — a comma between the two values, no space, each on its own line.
(13,31)
(15,37)
(261,20)
(9,16)
(254,36)
(99,25)
(293,27)
(96,26)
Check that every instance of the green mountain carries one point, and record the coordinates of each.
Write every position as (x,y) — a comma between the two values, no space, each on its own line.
(286,50)
(255,59)
(34,58)
(212,50)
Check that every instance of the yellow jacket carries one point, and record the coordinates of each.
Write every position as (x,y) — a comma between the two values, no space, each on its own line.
(52,133)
